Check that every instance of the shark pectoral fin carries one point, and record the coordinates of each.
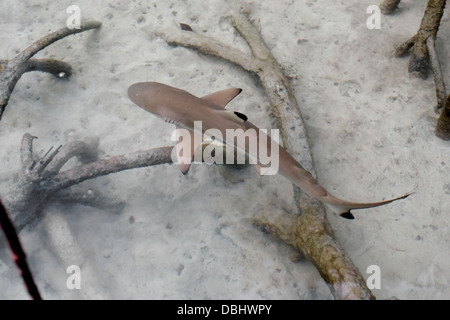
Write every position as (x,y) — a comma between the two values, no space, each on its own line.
(258,168)
(222,98)
(184,167)
(184,150)
(261,168)
(184,162)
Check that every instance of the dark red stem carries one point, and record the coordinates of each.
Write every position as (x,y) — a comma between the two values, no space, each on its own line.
(18,253)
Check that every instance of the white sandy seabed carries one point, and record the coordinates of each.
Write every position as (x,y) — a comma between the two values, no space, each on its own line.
(190,237)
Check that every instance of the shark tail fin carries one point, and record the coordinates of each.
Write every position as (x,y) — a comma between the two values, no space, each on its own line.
(345,206)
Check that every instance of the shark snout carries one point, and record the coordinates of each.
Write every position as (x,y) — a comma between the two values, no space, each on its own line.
(135,92)
(144,93)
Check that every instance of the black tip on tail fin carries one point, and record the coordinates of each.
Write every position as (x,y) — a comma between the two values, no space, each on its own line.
(347,215)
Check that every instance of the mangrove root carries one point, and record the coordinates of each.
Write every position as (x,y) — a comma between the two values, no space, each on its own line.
(41,179)
(348,283)
(420,59)
(12,70)
(443,124)
(437,76)
(388,6)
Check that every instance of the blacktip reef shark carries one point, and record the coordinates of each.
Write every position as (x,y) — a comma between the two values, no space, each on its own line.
(183,109)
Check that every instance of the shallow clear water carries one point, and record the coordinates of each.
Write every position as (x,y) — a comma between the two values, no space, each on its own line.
(191,237)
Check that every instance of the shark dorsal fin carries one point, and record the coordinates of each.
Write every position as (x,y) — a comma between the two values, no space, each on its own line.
(223,97)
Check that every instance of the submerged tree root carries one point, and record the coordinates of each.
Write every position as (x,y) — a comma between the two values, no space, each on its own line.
(443,125)
(420,59)
(42,186)
(424,55)
(442,129)
(41,180)
(388,6)
(10,73)
(65,245)
(11,70)
(315,239)
(310,232)
(437,76)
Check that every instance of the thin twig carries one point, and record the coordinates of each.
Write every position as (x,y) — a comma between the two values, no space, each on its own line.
(46,159)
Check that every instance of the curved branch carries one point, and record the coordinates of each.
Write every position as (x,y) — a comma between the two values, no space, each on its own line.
(104,167)
(209,46)
(85,151)
(52,37)
(58,68)
(12,70)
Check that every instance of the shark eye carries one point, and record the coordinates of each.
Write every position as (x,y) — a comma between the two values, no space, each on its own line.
(241,116)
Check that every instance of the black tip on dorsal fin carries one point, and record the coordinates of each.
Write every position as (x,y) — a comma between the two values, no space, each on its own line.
(347,215)
(241,116)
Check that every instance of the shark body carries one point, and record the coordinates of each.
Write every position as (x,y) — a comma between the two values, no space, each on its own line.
(181,108)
